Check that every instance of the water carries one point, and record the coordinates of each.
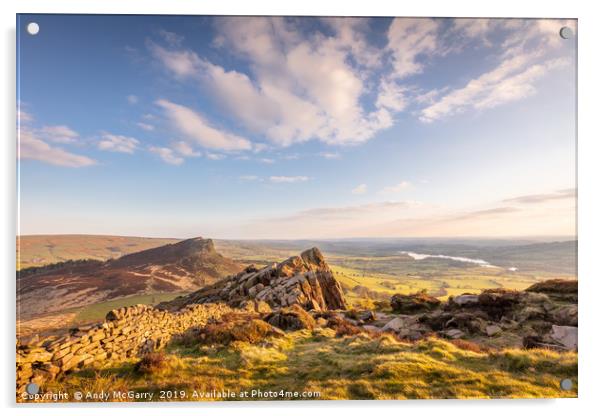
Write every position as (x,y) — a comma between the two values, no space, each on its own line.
(479,262)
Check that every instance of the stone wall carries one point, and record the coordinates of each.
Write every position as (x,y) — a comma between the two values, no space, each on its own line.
(126,332)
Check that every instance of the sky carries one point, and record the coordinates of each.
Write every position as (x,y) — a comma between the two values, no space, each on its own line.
(291,128)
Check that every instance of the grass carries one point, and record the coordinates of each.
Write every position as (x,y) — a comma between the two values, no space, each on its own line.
(350,367)
(437,281)
(99,310)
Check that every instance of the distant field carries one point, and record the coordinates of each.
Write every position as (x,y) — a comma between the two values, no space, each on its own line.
(98,311)
(38,250)
(379,269)
(48,324)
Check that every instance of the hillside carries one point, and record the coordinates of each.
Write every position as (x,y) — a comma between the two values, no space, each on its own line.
(178,267)
(39,250)
(294,338)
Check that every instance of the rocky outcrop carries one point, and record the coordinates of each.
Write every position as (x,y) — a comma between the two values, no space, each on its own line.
(417,302)
(543,316)
(566,290)
(304,280)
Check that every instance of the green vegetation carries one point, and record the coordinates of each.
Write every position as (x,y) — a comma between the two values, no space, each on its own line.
(349,367)
(98,311)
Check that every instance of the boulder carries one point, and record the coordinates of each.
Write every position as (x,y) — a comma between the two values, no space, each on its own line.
(565,315)
(413,303)
(396,325)
(291,319)
(466,299)
(565,335)
(453,333)
(492,330)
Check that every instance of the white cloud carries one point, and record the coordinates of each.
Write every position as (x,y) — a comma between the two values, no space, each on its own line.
(116,143)
(32,147)
(396,188)
(215,156)
(58,134)
(23,116)
(267,161)
(360,189)
(521,63)
(196,128)
(512,80)
(338,87)
(392,95)
(132,99)
(249,178)
(171,38)
(185,149)
(302,87)
(167,154)
(330,155)
(409,39)
(145,126)
(288,179)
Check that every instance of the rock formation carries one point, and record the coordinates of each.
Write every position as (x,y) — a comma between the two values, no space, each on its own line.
(304,280)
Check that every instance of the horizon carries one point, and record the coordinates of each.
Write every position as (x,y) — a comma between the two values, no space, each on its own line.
(536,239)
(278,128)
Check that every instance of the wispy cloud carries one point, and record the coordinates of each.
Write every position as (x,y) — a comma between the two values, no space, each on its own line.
(401,186)
(167,154)
(196,128)
(288,179)
(330,155)
(562,194)
(132,99)
(145,126)
(117,143)
(360,189)
(351,211)
(215,156)
(521,63)
(185,149)
(32,147)
(338,87)
(59,134)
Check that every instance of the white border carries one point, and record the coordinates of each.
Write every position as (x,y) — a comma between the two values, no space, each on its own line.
(590,207)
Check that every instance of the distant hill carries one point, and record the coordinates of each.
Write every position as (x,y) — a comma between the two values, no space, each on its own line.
(183,266)
(39,250)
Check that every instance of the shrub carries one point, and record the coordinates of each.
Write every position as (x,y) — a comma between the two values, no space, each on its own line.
(469,346)
(150,363)
(224,333)
(292,318)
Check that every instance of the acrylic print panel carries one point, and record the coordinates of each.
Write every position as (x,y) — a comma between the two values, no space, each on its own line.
(273,208)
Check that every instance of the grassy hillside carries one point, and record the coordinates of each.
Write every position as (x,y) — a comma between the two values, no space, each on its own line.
(323,366)
(38,250)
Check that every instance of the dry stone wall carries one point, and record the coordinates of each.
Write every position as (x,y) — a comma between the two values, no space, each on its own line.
(126,332)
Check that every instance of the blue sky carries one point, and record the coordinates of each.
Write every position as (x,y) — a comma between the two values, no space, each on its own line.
(247,127)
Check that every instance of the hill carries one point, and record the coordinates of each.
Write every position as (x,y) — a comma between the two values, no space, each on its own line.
(294,338)
(183,266)
(39,250)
